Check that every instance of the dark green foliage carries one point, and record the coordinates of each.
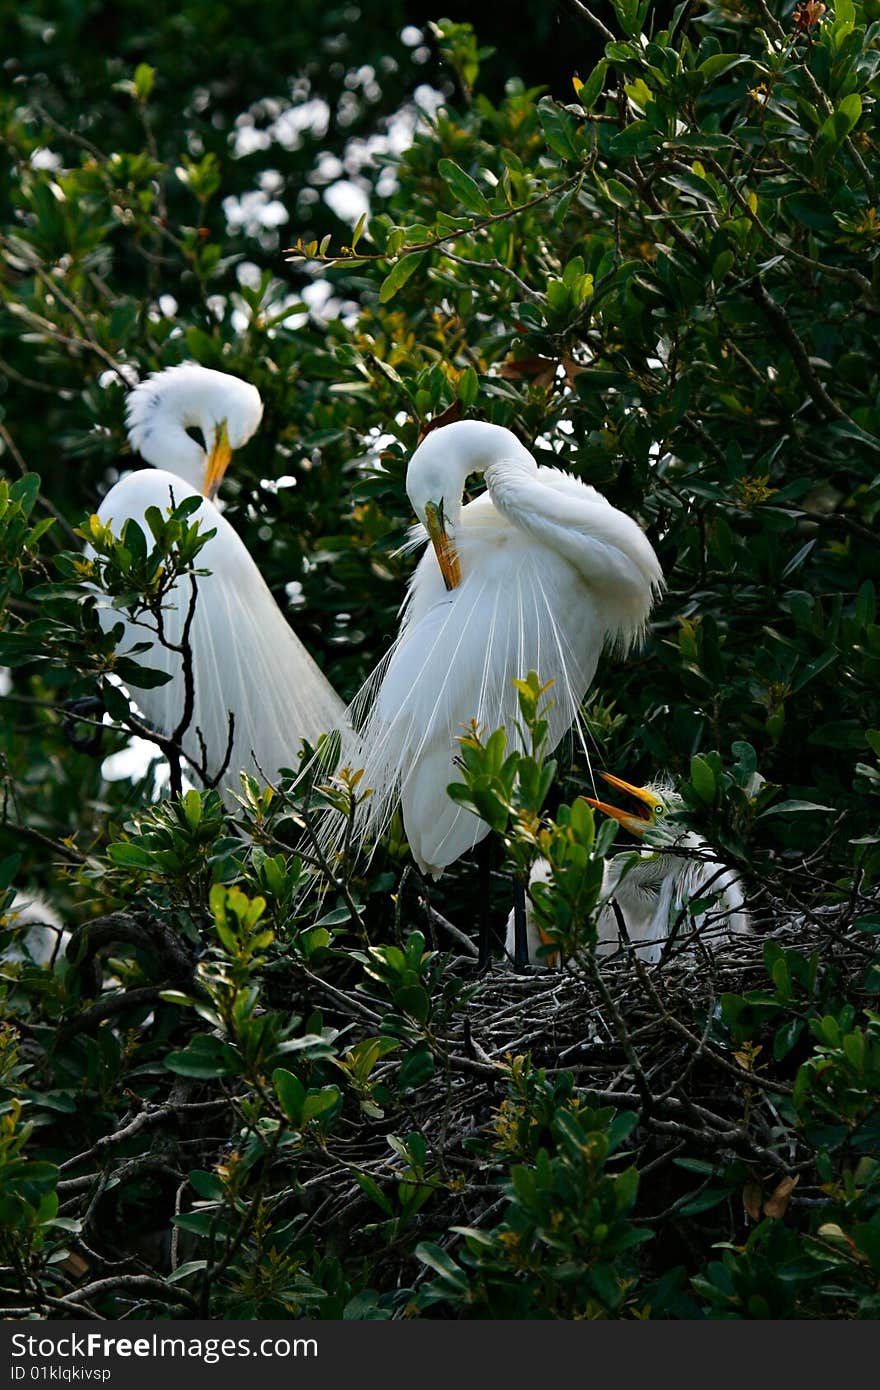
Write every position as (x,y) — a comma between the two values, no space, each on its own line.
(562,1247)
(277,1086)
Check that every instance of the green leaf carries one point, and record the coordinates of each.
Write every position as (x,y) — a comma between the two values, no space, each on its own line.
(416,1069)
(415,1001)
(563,206)
(142,677)
(185,1270)
(703,780)
(842,120)
(695,1165)
(321,1103)
(838,733)
(369,1185)
(25,491)
(144,77)
(785,808)
(192,808)
(115,702)
(8,869)
(468,387)
(810,209)
(619,194)
(463,187)
(291,1094)
(358,231)
(720,63)
(438,1260)
(398,276)
(334,918)
(558,128)
(814,669)
(870,924)
(207,1185)
(198,1223)
(639,137)
(591,90)
(206,1057)
(127,856)
(704,1201)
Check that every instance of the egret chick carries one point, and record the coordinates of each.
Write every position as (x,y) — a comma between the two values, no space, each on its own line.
(654,885)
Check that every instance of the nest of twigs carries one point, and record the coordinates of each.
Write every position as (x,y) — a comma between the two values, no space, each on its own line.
(646,1038)
(652,1039)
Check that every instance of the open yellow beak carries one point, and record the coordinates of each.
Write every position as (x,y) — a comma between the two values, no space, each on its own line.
(638,824)
(218,462)
(444,545)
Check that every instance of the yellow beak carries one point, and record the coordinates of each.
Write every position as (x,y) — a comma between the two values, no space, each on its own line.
(552,957)
(444,545)
(636,825)
(218,462)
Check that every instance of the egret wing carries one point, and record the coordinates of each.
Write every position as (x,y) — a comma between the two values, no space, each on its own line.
(455,661)
(246,660)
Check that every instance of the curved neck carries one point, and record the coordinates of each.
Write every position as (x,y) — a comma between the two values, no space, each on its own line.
(166,444)
(443,461)
(479,447)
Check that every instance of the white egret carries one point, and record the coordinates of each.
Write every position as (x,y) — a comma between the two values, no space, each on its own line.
(40,936)
(674,883)
(538,573)
(245,657)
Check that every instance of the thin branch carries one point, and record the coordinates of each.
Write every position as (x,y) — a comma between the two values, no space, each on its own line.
(130,1283)
(453,931)
(525,290)
(581,9)
(147,1119)
(780,321)
(297,253)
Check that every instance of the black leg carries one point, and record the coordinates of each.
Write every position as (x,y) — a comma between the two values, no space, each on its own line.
(484,871)
(520,939)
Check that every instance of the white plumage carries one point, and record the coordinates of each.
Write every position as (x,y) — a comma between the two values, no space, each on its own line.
(246,658)
(41,934)
(538,573)
(160,410)
(677,883)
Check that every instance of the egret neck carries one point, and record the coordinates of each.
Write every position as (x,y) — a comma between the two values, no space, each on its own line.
(439,469)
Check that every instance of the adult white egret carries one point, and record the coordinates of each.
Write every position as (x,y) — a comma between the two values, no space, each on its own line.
(538,573)
(245,657)
(654,886)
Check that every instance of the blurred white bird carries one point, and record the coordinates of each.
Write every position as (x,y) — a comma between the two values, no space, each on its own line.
(245,657)
(40,935)
(655,886)
(539,573)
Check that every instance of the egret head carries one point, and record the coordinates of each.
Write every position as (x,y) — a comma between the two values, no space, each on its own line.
(437,474)
(434,486)
(654,803)
(161,410)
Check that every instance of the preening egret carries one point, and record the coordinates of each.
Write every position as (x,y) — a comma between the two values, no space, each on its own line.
(245,657)
(538,573)
(654,886)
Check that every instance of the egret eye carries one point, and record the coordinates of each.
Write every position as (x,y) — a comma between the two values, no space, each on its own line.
(197,435)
